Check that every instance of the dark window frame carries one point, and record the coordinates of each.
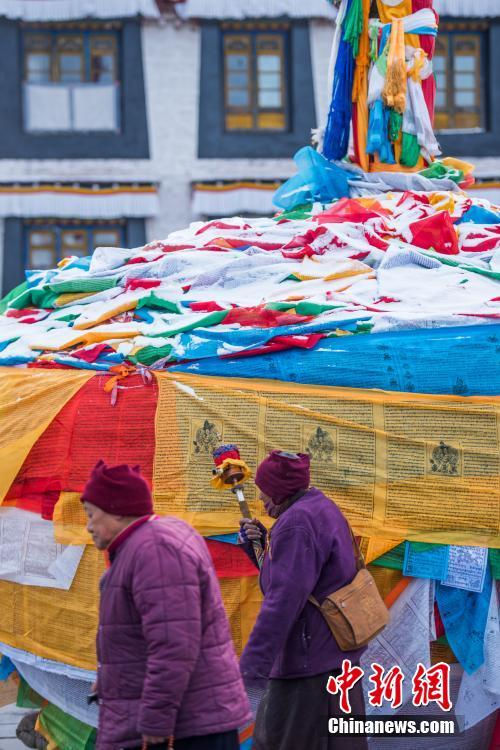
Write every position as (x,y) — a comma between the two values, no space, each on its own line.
(451,31)
(131,141)
(59,226)
(87,35)
(214,141)
(254,32)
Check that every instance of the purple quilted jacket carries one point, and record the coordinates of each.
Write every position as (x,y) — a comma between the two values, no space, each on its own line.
(167,664)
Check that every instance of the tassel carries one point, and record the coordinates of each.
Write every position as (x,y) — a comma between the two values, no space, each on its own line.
(394,93)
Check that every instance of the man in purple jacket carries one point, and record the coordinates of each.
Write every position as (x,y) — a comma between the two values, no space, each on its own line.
(308,551)
(167,669)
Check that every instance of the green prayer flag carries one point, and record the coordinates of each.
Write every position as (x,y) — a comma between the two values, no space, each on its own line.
(313,308)
(494,559)
(79,286)
(410,150)
(392,559)
(437,171)
(212,319)
(302,211)
(16,292)
(151,300)
(27,697)
(395,125)
(67,732)
(281,306)
(148,355)
(41,298)
(353,25)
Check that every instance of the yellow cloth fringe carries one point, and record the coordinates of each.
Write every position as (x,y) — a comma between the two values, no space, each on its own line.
(394,93)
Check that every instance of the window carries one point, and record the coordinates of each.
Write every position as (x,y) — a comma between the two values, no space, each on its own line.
(64,57)
(255,85)
(70,80)
(458,69)
(48,242)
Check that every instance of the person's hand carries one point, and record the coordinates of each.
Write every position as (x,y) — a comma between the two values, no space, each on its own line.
(250,530)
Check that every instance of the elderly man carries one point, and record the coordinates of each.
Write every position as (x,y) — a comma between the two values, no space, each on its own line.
(308,551)
(167,670)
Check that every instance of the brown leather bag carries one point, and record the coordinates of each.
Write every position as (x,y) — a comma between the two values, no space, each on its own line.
(356,613)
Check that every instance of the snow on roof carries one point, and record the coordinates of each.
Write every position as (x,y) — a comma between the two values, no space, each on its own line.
(69,10)
(256,9)
(468,8)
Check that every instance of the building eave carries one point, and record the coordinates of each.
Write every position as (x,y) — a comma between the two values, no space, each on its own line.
(241,9)
(70,10)
(468,9)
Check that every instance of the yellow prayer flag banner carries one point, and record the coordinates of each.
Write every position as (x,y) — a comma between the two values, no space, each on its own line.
(29,401)
(70,521)
(55,624)
(62,625)
(399,465)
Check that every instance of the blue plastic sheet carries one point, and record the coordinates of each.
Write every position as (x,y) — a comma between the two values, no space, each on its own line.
(317,180)
(462,361)
(479,215)
(464,615)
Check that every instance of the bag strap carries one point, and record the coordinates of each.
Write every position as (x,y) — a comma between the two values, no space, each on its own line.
(358,555)
(360,563)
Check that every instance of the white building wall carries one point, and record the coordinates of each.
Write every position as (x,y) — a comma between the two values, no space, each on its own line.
(321,33)
(171,58)
(171,63)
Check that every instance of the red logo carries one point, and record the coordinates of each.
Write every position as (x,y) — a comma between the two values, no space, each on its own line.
(343,683)
(428,685)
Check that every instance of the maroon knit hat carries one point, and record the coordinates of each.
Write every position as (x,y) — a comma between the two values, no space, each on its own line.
(281,475)
(119,490)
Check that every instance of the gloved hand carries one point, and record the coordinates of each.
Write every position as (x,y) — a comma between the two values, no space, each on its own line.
(252,531)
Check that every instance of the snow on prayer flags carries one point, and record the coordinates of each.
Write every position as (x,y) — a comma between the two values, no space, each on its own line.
(320,270)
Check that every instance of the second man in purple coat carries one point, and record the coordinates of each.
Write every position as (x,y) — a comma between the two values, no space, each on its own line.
(309,551)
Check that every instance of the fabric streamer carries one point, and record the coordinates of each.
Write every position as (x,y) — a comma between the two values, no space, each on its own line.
(378,133)
(360,91)
(464,614)
(420,68)
(336,137)
(353,25)
(394,93)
